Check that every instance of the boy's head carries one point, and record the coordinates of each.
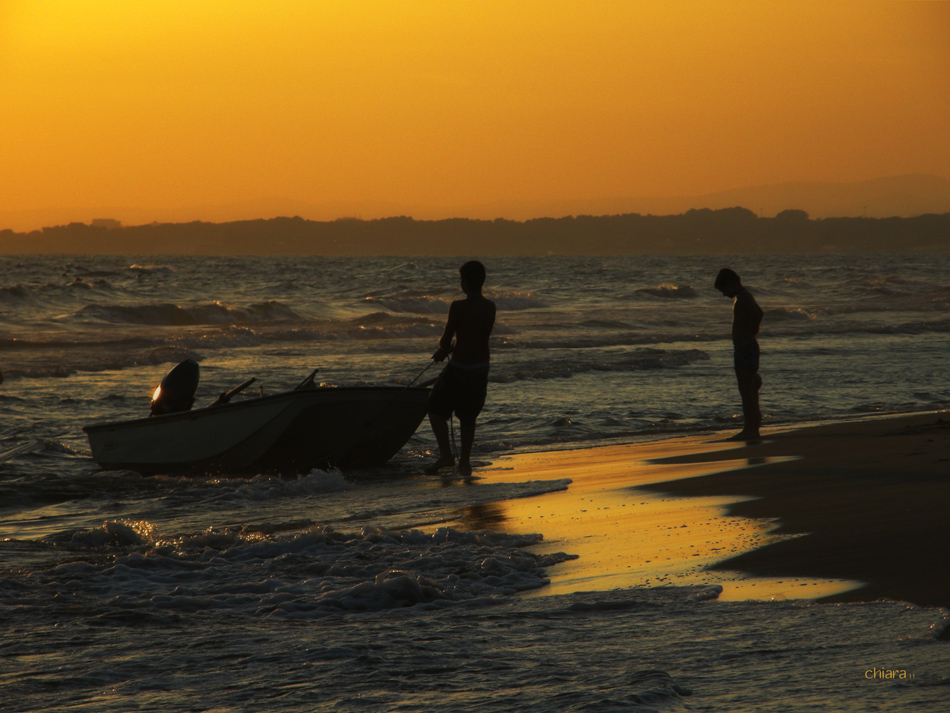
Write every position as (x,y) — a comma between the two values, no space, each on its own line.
(728,282)
(473,274)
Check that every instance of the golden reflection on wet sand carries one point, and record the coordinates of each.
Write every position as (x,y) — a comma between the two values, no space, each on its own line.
(627,537)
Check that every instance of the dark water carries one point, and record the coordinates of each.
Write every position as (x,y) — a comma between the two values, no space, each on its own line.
(346,592)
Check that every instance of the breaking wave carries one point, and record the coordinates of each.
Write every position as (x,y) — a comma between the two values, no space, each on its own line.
(513,301)
(259,572)
(175,315)
(418,304)
(31,295)
(789,313)
(15,294)
(150,269)
(671,291)
(60,364)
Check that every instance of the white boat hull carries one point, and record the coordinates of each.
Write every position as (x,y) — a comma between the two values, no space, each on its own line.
(295,431)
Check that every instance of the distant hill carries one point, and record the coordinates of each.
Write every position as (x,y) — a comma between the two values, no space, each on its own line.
(900,196)
(695,232)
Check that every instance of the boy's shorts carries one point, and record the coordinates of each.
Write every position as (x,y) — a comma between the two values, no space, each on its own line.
(460,388)
(747,358)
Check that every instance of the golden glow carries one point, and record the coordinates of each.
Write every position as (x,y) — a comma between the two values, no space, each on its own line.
(436,108)
(625,536)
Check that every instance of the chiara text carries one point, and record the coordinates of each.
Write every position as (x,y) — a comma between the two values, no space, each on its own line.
(889,673)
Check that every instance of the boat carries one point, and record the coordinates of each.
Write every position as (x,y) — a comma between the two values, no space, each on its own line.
(291,432)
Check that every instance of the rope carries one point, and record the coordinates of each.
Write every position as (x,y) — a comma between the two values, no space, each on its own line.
(419,375)
(455,450)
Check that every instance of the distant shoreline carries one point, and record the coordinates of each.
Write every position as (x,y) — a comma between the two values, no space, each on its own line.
(728,231)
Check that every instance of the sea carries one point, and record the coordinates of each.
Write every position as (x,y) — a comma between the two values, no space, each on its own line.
(360,591)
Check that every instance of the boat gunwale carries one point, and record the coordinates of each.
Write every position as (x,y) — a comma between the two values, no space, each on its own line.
(250,403)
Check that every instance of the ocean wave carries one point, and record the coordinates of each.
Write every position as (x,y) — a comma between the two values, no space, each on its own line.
(305,575)
(261,488)
(606,324)
(59,358)
(83,342)
(96,273)
(644,359)
(874,282)
(62,364)
(902,303)
(113,534)
(38,294)
(15,294)
(412,301)
(514,301)
(935,326)
(809,327)
(167,314)
(600,340)
(397,337)
(668,291)
(376,319)
(789,313)
(150,269)
(418,304)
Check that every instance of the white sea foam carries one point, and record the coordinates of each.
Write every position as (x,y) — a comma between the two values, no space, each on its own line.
(267,487)
(310,574)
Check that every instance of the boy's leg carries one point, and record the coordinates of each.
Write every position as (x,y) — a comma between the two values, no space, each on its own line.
(440,427)
(467,432)
(749,384)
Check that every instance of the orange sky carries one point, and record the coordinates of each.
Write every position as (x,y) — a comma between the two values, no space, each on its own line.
(437,108)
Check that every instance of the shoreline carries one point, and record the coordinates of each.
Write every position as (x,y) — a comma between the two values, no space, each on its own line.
(843,511)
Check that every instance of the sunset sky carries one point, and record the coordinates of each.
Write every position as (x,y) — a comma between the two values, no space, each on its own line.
(169,107)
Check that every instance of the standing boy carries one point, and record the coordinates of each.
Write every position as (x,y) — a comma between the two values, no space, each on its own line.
(463,383)
(746,318)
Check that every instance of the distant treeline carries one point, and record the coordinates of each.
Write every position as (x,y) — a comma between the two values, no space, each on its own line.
(704,232)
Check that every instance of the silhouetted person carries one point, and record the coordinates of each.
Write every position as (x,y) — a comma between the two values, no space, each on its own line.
(463,383)
(746,318)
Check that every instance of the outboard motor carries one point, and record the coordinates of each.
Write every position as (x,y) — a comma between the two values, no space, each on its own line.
(177,390)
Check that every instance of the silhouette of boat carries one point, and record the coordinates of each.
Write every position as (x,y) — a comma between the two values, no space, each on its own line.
(290,432)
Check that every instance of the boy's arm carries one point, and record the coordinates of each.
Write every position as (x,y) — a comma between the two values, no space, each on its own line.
(747,317)
(445,343)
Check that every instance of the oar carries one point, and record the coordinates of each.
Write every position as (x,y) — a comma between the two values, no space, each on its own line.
(308,382)
(228,395)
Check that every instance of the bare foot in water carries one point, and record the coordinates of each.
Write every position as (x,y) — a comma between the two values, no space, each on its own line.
(464,469)
(434,468)
(744,436)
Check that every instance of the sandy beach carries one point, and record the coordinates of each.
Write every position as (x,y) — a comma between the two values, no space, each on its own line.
(843,512)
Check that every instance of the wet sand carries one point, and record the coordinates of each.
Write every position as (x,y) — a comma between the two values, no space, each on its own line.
(842,512)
